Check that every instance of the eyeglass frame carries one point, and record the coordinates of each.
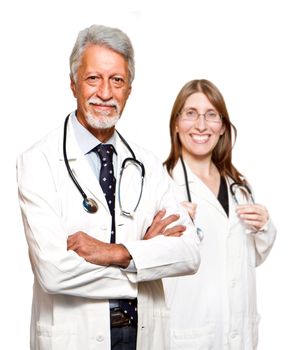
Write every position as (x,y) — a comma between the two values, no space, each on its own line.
(180,114)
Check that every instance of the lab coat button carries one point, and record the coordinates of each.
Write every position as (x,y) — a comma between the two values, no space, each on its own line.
(233,335)
(99,338)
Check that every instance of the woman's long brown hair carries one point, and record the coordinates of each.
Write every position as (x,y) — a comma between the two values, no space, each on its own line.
(222,153)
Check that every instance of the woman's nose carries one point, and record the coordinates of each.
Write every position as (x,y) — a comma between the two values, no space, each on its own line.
(201,122)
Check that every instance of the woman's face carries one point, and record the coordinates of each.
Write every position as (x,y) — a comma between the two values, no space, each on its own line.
(199,126)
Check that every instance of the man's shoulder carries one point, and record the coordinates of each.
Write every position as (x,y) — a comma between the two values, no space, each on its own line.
(45,144)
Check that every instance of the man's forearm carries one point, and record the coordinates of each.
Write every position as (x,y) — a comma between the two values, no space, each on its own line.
(98,252)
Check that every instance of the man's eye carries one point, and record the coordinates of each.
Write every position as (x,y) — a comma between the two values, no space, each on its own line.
(92,78)
(118,81)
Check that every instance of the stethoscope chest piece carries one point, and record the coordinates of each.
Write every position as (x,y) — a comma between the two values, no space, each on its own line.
(199,233)
(90,205)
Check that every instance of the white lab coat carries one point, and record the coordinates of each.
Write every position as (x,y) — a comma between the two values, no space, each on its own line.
(216,308)
(70,309)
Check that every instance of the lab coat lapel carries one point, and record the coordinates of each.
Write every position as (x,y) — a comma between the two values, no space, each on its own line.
(81,168)
(197,187)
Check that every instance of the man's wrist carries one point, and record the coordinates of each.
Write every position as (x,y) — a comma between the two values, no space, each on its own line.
(121,256)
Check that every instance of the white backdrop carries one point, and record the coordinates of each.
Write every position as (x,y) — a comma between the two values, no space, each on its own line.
(250,49)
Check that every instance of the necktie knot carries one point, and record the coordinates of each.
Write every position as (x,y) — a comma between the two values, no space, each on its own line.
(105,152)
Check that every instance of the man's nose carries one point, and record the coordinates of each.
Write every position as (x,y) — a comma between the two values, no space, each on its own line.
(105,90)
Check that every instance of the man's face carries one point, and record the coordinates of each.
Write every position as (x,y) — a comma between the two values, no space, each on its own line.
(101,88)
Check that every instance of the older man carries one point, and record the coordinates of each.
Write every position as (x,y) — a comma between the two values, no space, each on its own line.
(97,215)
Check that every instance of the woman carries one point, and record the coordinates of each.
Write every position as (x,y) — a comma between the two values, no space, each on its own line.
(215,308)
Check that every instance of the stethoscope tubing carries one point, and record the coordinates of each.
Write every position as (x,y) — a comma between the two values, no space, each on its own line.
(241,186)
(75,181)
(198,229)
(90,204)
(232,185)
(186,179)
(141,166)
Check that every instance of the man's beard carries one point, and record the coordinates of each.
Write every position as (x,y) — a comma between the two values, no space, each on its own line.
(106,121)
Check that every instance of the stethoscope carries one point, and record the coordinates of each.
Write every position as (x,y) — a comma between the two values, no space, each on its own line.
(199,230)
(242,189)
(90,204)
(235,188)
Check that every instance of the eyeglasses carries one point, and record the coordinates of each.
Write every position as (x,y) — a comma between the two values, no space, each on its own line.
(191,114)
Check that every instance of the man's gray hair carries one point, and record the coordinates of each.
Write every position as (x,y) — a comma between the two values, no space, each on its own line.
(112,38)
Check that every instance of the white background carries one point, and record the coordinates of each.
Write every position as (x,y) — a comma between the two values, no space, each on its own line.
(250,49)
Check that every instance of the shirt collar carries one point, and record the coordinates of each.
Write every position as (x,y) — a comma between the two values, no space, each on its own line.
(86,140)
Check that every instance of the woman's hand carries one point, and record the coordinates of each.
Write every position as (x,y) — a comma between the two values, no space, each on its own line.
(160,223)
(254,215)
(191,208)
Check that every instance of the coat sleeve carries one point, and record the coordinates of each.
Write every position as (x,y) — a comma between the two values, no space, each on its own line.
(57,270)
(164,256)
(264,240)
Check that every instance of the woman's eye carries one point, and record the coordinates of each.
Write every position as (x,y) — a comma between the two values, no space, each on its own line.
(190,113)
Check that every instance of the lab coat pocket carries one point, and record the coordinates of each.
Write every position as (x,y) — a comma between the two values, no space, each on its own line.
(193,339)
(59,337)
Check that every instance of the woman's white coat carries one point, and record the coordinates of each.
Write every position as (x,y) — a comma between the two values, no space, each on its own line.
(216,308)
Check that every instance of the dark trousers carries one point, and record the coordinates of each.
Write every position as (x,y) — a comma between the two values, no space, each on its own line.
(123,338)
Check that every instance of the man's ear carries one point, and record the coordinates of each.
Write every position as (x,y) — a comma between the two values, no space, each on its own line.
(129,91)
(73,86)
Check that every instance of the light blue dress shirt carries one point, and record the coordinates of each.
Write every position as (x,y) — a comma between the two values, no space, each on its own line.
(87,142)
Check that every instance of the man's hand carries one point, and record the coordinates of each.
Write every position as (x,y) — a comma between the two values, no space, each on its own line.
(98,252)
(159,226)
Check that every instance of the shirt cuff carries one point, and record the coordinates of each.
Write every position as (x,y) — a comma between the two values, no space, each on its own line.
(131,267)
